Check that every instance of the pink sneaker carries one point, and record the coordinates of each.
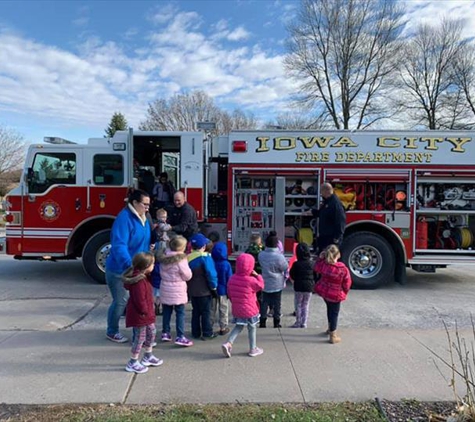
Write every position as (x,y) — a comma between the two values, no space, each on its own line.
(183,341)
(256,352)
(226,348)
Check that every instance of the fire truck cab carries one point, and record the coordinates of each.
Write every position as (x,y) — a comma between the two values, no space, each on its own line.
(409,195)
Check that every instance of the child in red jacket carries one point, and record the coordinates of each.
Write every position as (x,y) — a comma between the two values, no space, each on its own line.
(333,286)
(140,312)
(242,289)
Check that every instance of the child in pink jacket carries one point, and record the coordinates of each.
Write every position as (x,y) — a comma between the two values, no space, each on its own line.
(174,274)
(333,286)
(242,289)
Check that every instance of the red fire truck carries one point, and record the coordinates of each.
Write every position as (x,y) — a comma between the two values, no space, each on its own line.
(409,195)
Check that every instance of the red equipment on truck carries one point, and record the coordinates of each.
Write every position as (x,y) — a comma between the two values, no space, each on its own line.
(409,195)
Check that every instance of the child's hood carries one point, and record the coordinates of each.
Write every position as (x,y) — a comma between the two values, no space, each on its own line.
(170,257)
(302,252)
(219,251)
(131,276)
(244,264)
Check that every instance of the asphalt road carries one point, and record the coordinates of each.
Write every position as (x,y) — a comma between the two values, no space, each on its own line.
(55,295)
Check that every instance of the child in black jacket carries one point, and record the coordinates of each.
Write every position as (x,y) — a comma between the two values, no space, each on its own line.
(302,277)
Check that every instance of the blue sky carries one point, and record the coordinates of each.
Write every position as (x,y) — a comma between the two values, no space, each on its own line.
(67,66)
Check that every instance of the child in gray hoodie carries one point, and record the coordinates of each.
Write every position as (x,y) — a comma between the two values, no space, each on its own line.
(274,267)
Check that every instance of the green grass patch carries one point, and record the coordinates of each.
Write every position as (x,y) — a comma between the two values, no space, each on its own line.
(331,412)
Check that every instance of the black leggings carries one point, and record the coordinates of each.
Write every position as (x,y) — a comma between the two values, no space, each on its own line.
(333,309)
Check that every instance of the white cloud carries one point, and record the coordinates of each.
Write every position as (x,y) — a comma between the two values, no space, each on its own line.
(238,34)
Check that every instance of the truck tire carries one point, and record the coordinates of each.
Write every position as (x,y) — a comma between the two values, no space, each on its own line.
(369,258)
(94,256)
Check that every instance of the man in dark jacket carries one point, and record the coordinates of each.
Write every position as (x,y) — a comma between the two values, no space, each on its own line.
(331,219)
(182,217)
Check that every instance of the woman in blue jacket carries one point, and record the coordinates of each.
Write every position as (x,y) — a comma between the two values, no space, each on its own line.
(130,234)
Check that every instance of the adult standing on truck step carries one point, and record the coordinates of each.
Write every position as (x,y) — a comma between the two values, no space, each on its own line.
(183,217)
(130,234)
(331,219)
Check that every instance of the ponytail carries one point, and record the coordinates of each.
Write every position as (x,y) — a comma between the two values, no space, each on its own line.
(331,254)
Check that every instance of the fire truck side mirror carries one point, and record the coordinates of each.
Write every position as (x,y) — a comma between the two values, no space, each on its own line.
(30,175)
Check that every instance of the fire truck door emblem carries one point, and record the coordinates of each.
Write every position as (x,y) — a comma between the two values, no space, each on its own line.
(50,210)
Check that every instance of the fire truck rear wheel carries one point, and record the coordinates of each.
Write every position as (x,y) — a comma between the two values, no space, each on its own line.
(370,259)
(94,256)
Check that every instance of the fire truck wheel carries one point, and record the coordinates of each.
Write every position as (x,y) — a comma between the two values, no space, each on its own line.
(370,259)
(95,254)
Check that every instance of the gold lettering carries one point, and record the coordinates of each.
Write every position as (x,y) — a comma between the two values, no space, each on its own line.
(279,143)
(419,157)
(339,157)
(350,157)
(359,156)
(378,157)
(299,156)
(431,143)
(408,157)
(458,143)
(315,140)
(411,143)
(383,142)
(344,141)
(325,157)
(262,144)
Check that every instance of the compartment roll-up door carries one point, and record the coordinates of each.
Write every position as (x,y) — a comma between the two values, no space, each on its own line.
(367,175)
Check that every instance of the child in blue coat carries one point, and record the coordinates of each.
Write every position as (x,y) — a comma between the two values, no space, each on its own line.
(219,254)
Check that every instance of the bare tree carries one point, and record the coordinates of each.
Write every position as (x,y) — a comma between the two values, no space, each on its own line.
(344,52)
(180,112)
(426,71)
(464,75)
(12,155)
(184,111)
(237,120)
(298,119)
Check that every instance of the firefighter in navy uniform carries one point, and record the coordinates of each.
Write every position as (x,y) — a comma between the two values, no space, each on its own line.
(331,219)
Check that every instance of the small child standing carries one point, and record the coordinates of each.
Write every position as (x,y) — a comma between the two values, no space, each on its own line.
(255,248)
(242,289)
(333,286)
(174,274)
(161,229)
(302,276)
(201,288)
(219,253)
(274,268)
(140,313)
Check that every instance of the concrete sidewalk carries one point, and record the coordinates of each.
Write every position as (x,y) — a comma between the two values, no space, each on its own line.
(299,365)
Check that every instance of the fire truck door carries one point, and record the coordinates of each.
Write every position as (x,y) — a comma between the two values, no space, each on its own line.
(52,195)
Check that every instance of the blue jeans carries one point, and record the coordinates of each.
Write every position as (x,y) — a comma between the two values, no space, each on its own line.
(120,296)
(201,316)
(251,334)
(180,319)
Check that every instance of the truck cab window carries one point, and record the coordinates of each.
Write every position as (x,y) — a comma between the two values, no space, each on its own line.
(52,168)
(108,169)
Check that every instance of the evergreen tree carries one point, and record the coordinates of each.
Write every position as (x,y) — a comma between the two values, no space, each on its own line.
(118,122)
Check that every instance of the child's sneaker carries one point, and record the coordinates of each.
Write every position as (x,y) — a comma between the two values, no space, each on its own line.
(226,348)
(166,337)
(151,361)
(183,341)
(117,338)
(256,352)
(136,367)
